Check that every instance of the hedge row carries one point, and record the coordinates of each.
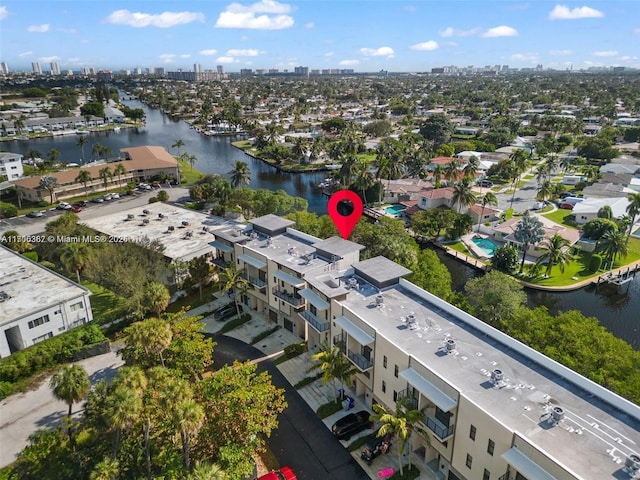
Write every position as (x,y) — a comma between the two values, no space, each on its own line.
(49,353)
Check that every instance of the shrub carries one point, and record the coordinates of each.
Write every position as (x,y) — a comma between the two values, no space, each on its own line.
(153,200)
(47,264)
(8,210)
(329,409)
(31,255)
(163,196)
(43,204)
(295,349)
(306,381)
(265,334)
(595,263)
(6,389)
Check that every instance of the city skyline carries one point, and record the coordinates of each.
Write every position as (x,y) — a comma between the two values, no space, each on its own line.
(361,35)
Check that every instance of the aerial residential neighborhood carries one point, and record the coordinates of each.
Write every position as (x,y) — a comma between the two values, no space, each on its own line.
(189,290)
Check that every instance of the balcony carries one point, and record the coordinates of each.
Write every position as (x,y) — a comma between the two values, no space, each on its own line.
(360,361)
(340,341)
(294,300)
(504,477)
(221,262)
(407,399)
(315,322)
(254,280)
(439,429)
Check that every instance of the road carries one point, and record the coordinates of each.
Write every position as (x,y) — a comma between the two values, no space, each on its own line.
(24,413)
(31,226)
(301,440)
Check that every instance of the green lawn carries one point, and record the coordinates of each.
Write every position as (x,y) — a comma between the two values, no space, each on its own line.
(193,299)
(561,217)
(106,305)
(189,174)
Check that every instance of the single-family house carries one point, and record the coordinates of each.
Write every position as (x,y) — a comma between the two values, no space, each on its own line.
(437,197)
(589,208)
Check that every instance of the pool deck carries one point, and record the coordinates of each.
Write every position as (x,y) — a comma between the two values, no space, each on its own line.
(467,240)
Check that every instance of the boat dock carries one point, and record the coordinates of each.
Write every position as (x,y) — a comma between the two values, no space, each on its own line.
(619,277)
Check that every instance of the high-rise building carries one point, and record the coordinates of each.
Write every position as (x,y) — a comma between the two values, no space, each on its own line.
(35,66)
(138,70)
(4,68)
(220,69)
(197,68)
(301,71)
(55,68)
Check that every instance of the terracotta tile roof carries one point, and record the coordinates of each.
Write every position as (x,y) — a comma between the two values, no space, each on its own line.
(445,192)
(441,160)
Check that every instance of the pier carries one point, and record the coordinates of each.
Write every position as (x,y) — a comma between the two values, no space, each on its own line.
(619,277)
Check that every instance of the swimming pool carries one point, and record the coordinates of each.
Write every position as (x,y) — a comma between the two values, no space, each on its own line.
(395,210)
(486,245)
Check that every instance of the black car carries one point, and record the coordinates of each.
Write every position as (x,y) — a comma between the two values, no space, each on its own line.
(226,312)
(374,447)
(351,424)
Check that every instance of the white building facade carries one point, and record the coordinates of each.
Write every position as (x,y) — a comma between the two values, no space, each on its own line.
(11,165)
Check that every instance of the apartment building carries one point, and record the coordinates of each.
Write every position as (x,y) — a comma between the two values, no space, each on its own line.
(36,303)
(11,165)
(494,408)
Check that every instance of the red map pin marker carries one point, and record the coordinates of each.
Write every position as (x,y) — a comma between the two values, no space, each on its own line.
(338,209)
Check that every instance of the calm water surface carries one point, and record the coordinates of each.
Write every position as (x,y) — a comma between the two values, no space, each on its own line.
(617,308)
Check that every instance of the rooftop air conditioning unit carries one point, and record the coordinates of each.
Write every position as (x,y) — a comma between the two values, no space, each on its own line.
(451,345)
(146,212)
(145,221)
(632,464)
(185,223)
(171,228)
(379,300)
(496,376)
(557,414)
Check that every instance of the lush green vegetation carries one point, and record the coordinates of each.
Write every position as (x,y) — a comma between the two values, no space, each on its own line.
(265,334)
(329,408)
(307,381)
(236,322)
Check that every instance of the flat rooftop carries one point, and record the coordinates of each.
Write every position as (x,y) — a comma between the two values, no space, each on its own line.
(287,249)
(30,287)
(190,237)
(594,438)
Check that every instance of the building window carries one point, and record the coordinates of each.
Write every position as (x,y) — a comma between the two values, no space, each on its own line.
(38,321)
(395,396)
(469,461)
(472,433)
(384,361)
(384,386)
(395,371)
(76,306)
(42,337)
(491,447)
(486,475)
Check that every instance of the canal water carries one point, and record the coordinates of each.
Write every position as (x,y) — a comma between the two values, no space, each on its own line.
(617,308)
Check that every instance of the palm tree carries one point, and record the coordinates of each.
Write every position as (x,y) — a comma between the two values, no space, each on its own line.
(463,196)
(348,168)
(107,469)
(97,150)
(82,141)
(74,256)
(613,245)
(528,232)
(123,409)
(49,183)
(190,159)
(633,209)
(364,177)
(119,170)
(333,365)
(556,252)
(545,190)
(157,297)
(188,417)
(605,212)
(519,159)
(70,385)
(452,170)
(403,423)
(84,177)
(488,198)
(235,282)
(177,144)
(207,471)
(240,174)
(53,155)
(471,168)
(438,172)
(105,175)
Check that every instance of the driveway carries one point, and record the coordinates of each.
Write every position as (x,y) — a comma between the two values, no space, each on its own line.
(301,441)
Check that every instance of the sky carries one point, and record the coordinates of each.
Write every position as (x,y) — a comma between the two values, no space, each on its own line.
(363,35)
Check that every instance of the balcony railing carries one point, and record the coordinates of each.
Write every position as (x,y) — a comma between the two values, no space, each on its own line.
(221,262)
(254,280)
(291,299)
(362,362)
(405,396)
(439,429)
(341,342)
(504,477)
(315,322)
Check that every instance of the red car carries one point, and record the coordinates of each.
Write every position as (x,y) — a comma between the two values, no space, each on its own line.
(285,473)
(566,206)
(76,208)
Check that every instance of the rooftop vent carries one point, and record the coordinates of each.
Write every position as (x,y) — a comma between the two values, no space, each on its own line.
(379,300)
(146,212)
(130,216)
(353,282)
(632,464)
(145,221)
(496,376)
(451,345)
(185,223)
(557,414)
(188,234)
(161,215)
(269,241)
(205,229)
(253,236)
(171,228)
(290,250)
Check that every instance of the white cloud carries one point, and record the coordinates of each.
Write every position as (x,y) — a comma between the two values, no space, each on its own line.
(247,52)
(38,28)
(606,53)
(329,54)
(348,63)
(25,54)
(377,52)
(560,53)
(226,60)
(454,32)
(52,58)
(425,46)
(73,60)
(637,31)
(211,51)
(161,20)
(562,12)
(628,57)
(4,13)
(167,57)
(67,30)
(525,57)
(309,25)
(263,15)
(185,55)
(501,31)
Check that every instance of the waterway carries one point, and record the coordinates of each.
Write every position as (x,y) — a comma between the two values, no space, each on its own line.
(617,308)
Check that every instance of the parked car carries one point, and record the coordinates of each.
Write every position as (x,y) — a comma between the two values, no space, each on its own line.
(63,206)
(76,208)
(285,473)
(114,196)
(566,206)
(538,206)
(375,447)
(98,200)
(567,194)
(108,196)
(485,183)
(351,424)
(83,204)
(226,312)
(35,214)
